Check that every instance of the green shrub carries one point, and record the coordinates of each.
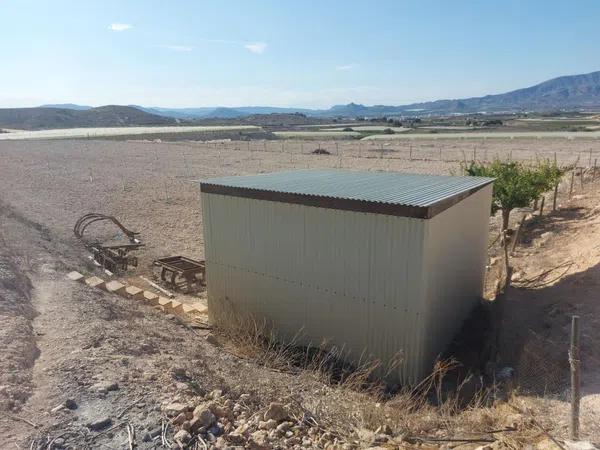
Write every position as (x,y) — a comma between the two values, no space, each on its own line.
(516,184)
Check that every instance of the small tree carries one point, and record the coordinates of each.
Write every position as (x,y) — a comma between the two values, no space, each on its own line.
(516,185)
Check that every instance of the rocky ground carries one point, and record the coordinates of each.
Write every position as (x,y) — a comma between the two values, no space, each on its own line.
(82,368)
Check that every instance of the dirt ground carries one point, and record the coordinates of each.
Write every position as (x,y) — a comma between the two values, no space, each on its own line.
(60,340)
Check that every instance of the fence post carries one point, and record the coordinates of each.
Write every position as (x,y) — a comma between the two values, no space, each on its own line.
(555,195)
(575,378)
(514,246)
(572,179)
(542,205)
(581,178)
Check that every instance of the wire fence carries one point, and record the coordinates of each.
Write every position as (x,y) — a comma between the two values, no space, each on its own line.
(147,176)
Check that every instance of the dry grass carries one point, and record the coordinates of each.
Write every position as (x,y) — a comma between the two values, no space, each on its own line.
(356,403)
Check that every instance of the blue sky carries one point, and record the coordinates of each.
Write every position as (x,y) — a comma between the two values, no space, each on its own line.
(286,53)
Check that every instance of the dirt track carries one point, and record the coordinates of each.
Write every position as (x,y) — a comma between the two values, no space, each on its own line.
(60,339)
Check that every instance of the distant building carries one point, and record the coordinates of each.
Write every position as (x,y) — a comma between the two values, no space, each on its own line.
(375,263)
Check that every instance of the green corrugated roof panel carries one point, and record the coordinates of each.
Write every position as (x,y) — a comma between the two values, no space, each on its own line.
(402,194)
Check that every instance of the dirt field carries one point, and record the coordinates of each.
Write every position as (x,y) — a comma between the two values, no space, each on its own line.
(62,341)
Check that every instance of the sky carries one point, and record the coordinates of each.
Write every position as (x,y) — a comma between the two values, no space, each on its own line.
(184,53)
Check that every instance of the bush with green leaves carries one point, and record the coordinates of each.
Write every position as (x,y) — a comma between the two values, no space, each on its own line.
(516,185)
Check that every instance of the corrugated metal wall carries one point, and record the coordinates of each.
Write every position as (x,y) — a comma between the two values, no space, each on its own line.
(455,257)
(370,283)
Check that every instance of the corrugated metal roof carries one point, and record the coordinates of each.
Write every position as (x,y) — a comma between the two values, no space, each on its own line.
(404,194)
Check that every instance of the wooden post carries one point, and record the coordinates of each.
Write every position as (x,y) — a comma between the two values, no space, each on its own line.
(516,240)
(542,205)
(575,378)
(555,195)
(571,187)
(581,178)
(594,172)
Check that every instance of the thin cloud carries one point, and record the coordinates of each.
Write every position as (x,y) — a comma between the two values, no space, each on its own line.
(178,48)
(347,67)
(119,26)
(256,47)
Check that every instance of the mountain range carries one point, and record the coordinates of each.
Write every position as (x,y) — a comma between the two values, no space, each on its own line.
(80,117)
(572,93)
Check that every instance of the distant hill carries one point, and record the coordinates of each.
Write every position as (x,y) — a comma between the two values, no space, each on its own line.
(67,106)
(574,92)
(103,116)
(221,112)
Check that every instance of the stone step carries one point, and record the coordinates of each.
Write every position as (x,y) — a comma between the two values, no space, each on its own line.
(176,307)
(164,303)
(95,282)
(134,292)
(75,276)
(200,308)
(150,297)
(115,287)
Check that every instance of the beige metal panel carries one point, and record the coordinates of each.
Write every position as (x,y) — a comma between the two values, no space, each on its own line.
(455,255)
(353,279)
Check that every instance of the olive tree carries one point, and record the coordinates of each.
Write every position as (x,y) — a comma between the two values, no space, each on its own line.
(516,184)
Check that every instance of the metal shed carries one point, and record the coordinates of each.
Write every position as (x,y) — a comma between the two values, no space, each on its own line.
(375,263)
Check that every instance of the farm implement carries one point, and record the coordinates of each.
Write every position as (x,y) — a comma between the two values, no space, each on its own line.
(179,271)
(112,256)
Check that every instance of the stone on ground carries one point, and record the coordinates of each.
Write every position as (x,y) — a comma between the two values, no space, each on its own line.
(276,411)
(75,276)
(134,292)
(150,297)
(95,282)
(115,287)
